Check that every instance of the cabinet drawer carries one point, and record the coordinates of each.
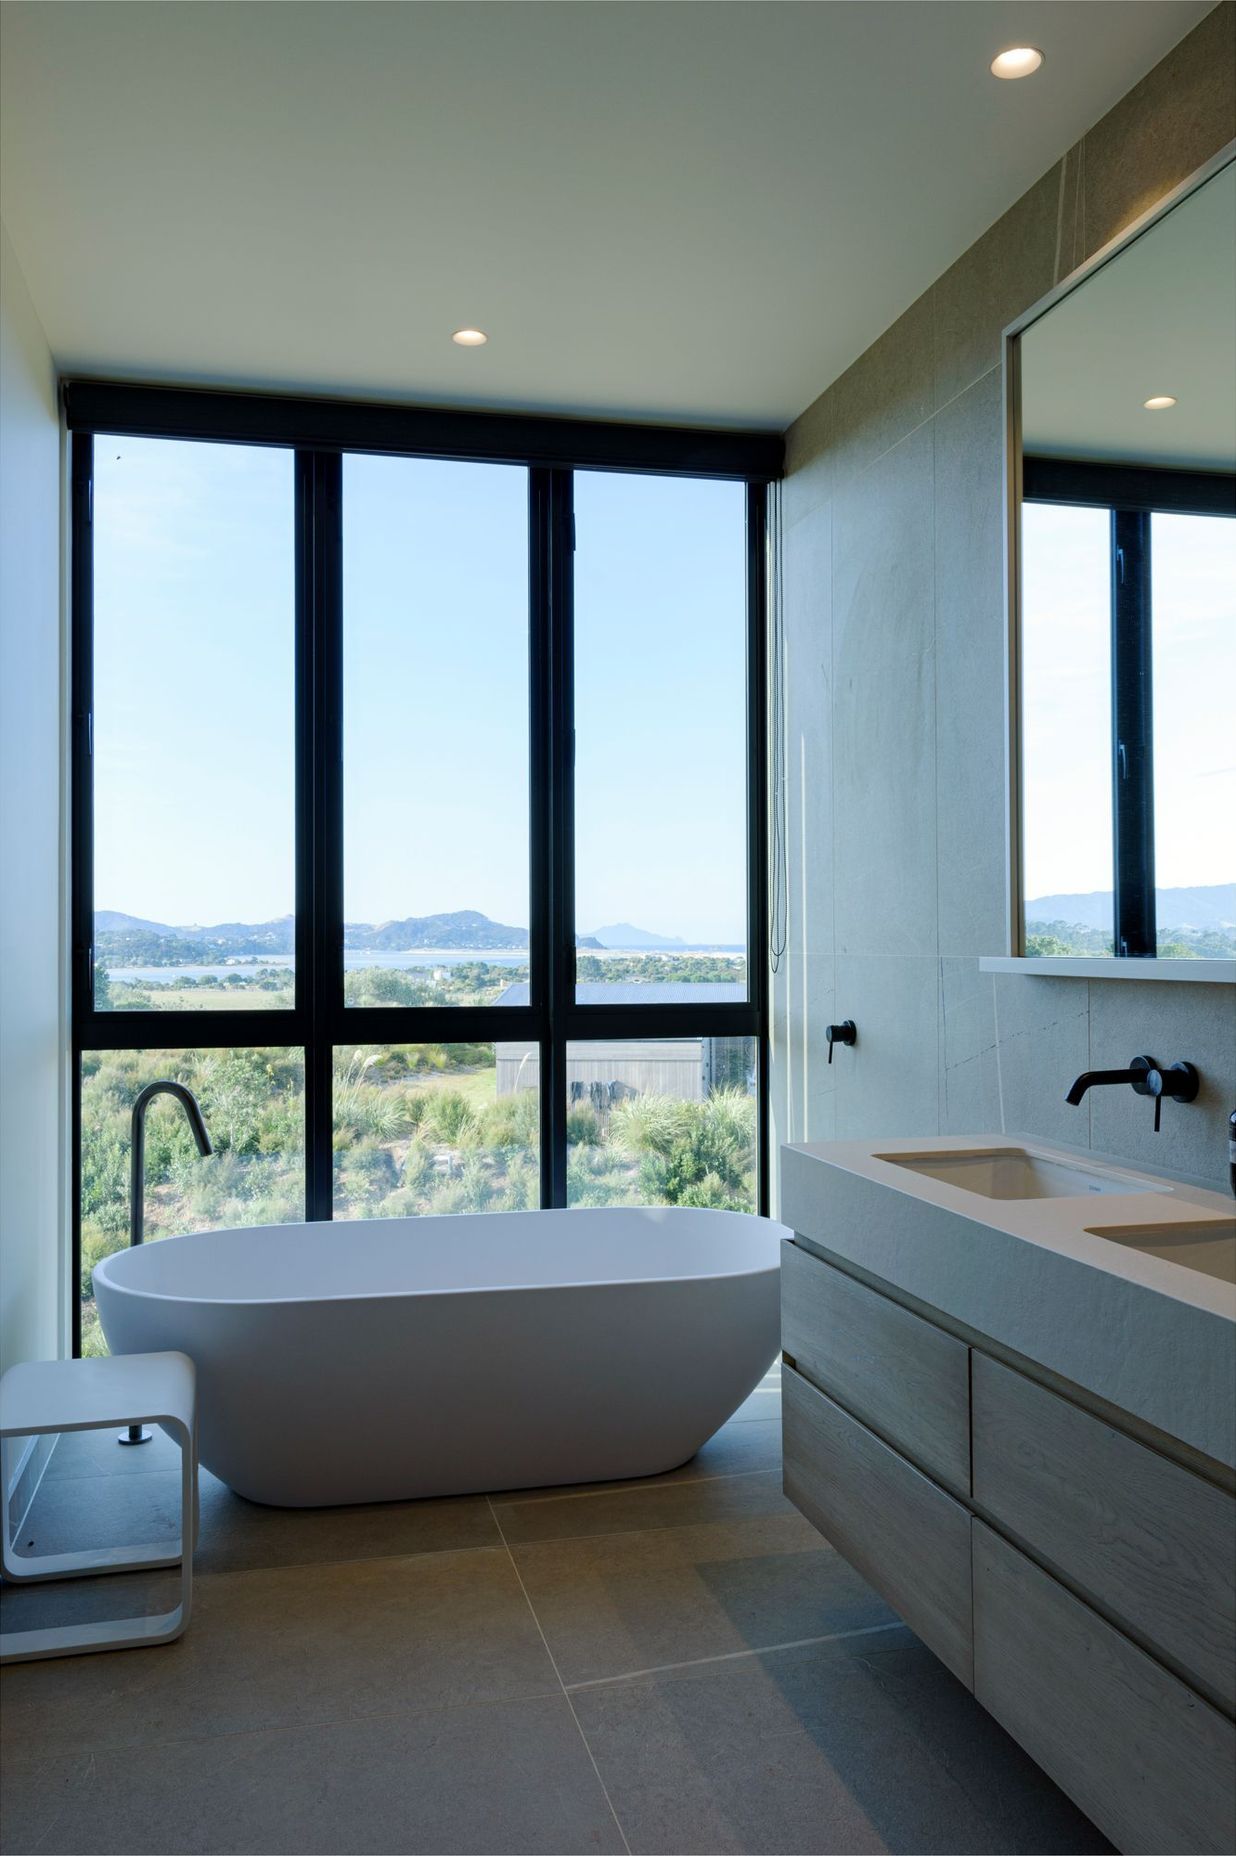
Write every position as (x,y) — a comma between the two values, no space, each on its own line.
(1153,1545)
(905,1378)
(1150,1762)
(910,1539)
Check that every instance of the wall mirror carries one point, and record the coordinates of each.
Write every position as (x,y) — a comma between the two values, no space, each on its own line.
(1122,576)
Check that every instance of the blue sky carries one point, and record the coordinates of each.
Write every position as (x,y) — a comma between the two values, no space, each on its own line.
(194,598)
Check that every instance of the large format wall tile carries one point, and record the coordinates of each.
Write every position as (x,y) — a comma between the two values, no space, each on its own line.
(900,459)
(805,996)
(1001,275)
(969,1066)
(886,393)
(1174,1022)
(884,811)
(810,462)
(1043,1042)
(888,1082)
(970,675)
(1180,114)
(807,766)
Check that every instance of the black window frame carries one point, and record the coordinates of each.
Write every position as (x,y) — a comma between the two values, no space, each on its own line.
(320,432)
(1133,495)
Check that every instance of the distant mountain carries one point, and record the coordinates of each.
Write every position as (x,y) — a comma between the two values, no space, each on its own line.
(132,939)
(110,921)
(129,939)
(1212,906)
(623,935)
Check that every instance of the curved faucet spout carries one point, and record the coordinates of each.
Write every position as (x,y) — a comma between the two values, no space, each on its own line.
(137,1433)
(1089,1079)
(137,1148)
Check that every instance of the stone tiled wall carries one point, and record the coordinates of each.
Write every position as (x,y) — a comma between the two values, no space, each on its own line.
(894,706)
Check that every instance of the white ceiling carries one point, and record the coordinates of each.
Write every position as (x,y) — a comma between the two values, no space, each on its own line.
(678,210)
(1159,318)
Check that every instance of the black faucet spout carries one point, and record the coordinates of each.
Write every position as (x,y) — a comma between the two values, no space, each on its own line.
(1089,1079)
(137,1144)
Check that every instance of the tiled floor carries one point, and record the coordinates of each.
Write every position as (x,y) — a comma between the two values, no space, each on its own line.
(679,1665)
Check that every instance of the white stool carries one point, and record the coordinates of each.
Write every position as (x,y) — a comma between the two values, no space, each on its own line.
(88,1395)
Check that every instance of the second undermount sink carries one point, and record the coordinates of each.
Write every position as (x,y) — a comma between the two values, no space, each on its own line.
(1017,1173)
(1205,1244)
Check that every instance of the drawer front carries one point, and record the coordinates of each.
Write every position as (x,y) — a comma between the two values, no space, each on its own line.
(1153,1545)
(910,1539)
(1151,1763)
(905,1378)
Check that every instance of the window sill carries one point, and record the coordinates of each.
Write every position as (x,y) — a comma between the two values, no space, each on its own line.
(1101,967)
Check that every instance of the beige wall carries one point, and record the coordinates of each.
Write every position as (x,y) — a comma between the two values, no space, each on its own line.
(31,1027)
(894,701)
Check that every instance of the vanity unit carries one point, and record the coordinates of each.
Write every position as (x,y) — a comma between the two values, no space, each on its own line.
(1010,1402)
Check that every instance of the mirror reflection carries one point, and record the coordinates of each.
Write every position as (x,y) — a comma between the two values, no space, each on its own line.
(1127,627)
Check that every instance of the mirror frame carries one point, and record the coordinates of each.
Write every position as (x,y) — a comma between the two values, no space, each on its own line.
(1015,959)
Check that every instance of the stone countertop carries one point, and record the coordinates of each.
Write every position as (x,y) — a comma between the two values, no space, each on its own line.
(1149,1336)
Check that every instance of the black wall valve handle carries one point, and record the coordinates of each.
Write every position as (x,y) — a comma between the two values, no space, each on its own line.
(1178,1081)
(844,1033)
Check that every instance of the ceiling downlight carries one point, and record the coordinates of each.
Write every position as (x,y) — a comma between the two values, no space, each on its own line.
(1017,61)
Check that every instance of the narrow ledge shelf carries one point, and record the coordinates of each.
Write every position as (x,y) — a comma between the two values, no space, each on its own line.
(1101,967)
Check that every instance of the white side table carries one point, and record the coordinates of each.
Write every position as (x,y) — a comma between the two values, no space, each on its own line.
(89,1395)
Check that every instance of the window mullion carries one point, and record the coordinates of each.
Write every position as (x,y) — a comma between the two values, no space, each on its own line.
(1132,736)
(320,837)
(560,976)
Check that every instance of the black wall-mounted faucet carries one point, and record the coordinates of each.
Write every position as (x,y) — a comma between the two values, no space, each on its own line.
(844,1033)
(1180,1082)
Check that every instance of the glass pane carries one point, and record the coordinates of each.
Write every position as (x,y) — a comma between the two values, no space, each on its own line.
(660,733)
(662,1121)
(194,797)
(1067,729)
(435,605)
(436,1128)
(253,1103)
(1193,608)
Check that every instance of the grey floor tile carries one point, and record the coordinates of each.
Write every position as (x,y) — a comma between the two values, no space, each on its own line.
(97,1453)
(238,1534)
(737,1449)
(293,1647)
(90,1600)
(619,1602)
(72,1512)
(764,1403)
(34,1789)
(627,1508)
(76,1512)
(827,1749)
(508,1777)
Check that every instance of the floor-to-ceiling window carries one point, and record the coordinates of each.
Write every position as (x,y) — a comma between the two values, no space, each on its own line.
(418,811)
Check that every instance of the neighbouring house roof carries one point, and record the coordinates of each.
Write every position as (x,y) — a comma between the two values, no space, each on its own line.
(640,992)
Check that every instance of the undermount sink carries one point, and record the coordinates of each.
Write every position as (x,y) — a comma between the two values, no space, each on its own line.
(1016,1173)
(1205,1244)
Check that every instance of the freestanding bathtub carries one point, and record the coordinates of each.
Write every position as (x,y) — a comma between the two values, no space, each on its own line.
(384,1359)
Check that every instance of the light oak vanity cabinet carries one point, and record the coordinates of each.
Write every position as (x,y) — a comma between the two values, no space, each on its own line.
(1078,1578)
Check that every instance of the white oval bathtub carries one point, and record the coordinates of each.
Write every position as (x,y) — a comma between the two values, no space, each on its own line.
(391,1358)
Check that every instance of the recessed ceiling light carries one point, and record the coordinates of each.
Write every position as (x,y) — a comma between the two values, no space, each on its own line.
(1017,61)
(470,338)
(1159,402)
